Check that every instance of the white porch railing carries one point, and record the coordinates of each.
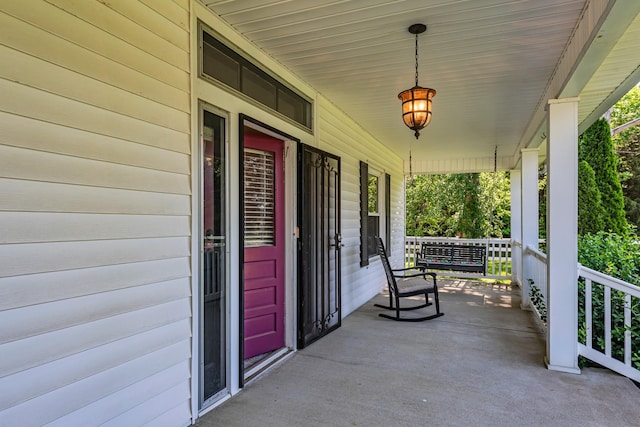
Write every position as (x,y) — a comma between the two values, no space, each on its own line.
(605,307)
(499,259)
(614,346)
(516,262)
(535,273)
(618,296)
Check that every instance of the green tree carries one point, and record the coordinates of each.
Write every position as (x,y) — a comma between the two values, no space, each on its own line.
(496,203)
(470,205)
(596,148)
(432,207)
(627,146)
(472,218)
(590,210)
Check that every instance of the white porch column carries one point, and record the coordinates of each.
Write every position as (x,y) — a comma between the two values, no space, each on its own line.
(529,214)
(515,176)
(562,236)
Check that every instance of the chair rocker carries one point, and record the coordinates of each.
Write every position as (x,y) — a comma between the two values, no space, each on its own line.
(407,285)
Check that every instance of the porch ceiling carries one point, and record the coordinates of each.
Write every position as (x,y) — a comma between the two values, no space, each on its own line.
(493,63)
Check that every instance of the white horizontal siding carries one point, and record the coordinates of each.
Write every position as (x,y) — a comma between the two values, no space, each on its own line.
(32,289)
(30,227)
(43,75)
(126,28)
(30,102)
(43,318)
(176,11)
(33,258)
(95,213)
(141,401)
(339,135)
(32,351)
(34,196)
(20,131)
(56,374)
(158,24)
(184,4)
(65,400)
(17,163)
(66,27)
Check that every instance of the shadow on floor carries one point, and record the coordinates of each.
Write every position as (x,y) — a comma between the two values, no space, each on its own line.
(481,364)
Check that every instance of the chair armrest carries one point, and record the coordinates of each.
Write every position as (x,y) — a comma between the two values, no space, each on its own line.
(418,271)
(423,274)
(405,269)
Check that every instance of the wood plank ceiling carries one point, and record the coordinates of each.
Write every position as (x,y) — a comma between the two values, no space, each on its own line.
(489,60)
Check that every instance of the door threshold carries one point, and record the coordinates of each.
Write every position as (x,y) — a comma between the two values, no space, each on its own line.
(270,361)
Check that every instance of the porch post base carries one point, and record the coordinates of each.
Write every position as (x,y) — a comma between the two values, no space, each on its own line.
(526,307)
(558,368)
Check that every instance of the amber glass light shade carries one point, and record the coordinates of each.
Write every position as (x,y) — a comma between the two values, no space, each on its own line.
(416,107)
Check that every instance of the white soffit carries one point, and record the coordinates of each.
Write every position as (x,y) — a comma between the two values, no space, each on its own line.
(490,62)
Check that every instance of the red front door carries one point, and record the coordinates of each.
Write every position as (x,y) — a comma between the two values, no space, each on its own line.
(264,244)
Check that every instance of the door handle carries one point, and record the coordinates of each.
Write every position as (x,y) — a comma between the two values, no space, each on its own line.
(214,241)
(338,242)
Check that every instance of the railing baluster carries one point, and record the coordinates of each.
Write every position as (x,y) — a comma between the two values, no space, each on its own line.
(621,289)
(627,327)
(607,321)
(496,264)
(588,312)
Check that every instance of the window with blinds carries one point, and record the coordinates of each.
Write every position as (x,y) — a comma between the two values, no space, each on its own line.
(259,198)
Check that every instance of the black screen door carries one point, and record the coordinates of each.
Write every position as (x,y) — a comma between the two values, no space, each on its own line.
(319,244)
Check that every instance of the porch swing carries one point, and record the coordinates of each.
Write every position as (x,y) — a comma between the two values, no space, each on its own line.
(454,257)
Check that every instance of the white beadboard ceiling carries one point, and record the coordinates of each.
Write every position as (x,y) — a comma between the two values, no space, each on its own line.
(490,62)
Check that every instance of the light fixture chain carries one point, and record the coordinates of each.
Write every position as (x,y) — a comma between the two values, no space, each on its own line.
(416,59)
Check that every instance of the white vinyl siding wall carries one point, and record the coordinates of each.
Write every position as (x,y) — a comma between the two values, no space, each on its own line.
(95,205)
(338,134)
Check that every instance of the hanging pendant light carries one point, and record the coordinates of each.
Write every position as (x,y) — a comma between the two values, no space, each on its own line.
(416,102)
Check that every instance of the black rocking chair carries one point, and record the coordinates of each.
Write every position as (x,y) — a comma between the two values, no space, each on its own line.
(407,285)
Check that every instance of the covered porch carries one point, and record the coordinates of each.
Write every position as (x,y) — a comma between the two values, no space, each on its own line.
(123,216)
(480,364)
(517,83)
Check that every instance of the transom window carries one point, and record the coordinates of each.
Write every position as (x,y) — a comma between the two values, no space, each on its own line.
(226,66)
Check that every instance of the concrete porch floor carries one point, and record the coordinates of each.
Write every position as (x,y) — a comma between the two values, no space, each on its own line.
(481,364)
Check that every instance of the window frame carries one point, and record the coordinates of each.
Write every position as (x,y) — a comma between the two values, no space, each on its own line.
(245,61)
(384,212)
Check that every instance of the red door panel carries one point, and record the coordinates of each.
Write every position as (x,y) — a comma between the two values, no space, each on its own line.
(264,286)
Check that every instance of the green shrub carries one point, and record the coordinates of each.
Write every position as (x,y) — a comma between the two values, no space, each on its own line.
(617,256)
(538,301)
(612,254)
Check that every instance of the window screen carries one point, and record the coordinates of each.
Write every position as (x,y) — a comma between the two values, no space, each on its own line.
(223,64)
